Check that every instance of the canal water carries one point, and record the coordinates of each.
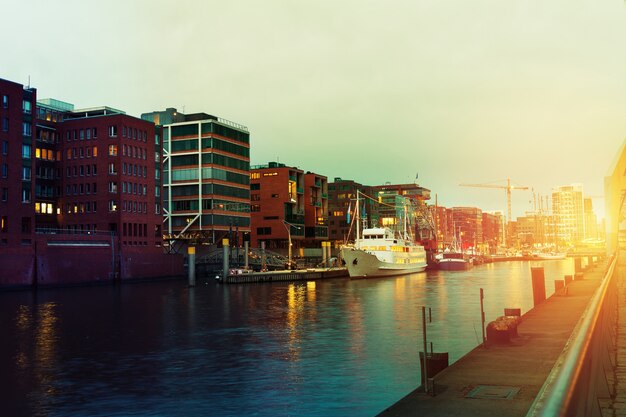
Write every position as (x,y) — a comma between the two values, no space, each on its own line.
(337,347)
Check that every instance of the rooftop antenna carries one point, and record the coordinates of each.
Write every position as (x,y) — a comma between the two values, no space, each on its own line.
(28,82)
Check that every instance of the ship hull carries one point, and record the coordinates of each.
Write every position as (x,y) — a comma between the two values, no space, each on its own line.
(361,264)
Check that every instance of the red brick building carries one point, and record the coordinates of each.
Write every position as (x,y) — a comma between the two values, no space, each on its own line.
(76,183)
(287,203)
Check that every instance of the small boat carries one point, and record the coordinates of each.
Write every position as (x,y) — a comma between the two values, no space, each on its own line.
(381,252)
(453,259)
(549,255)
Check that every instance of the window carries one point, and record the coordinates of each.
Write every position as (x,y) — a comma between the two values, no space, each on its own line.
(112,205)
(95,135)
(5,147)
(26,106)
(26,173)
(112,169)
(112,150)
(26,129)
(5,170)
(26,194)
(112,131)
(95,151)
(5,194)
(4,224)
(5,124)
(88,134)
(112,187)
(26,151)
(82,134)
(5,101)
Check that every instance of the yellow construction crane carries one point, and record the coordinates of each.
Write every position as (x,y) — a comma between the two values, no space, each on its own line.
(508,188)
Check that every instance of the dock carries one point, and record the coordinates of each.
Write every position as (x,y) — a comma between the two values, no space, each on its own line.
(286,275)
(505,379)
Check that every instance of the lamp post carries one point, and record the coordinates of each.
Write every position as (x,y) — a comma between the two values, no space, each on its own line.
(288,226)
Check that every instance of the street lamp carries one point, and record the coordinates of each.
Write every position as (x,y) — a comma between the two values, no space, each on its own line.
(288,226)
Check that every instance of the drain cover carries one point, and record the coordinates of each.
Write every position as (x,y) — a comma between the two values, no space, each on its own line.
(493,392)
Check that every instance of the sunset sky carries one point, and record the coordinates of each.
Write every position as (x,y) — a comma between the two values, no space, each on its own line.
(375,91)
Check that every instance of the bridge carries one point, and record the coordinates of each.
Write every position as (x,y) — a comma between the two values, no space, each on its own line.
(568,354)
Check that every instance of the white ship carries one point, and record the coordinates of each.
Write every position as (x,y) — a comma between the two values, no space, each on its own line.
(381,252)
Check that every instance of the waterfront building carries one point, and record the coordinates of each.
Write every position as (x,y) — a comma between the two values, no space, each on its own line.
(341,199)
(493,231)
(17,119)
(77,183)
(288,206)
(467,223)
(568,208)
(315,209)
(206,176)
(591,221)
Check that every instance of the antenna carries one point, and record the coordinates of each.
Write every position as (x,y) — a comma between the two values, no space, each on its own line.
(28,82)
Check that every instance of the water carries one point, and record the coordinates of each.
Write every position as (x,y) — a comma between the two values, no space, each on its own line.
(320,348)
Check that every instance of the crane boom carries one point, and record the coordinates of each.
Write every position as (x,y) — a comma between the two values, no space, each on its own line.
(508,188)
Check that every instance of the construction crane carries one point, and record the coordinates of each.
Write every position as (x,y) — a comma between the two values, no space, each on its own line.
(508,188)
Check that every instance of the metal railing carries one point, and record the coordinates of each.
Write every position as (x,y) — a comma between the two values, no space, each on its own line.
(578,382)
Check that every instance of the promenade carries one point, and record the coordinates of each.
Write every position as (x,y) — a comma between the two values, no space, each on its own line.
(505,379)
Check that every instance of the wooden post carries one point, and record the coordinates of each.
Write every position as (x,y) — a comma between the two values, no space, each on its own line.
(482,316)
(539,285)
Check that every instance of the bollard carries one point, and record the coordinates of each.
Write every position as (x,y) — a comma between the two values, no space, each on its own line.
(191,266)
(568,279)
(246,262)
(578,265)
(559,285)
(225,263)
(539,285)
(324,258)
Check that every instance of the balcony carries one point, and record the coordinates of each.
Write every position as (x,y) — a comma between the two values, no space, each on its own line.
(300,190)
(294,218)
(325,195)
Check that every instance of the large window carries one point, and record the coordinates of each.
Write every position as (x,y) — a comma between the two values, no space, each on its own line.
(112,131)
(26,106)
(112,150)
(27,129)
(26,151)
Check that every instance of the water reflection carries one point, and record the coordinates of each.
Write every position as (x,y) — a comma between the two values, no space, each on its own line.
(318,348)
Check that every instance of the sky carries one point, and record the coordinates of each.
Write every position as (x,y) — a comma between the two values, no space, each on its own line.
(448,91)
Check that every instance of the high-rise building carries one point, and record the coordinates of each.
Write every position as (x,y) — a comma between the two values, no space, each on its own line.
(568,208)
(591,221)
(206,176)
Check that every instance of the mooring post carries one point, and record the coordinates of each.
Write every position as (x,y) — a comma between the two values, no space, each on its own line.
(425,365)
(539,284)
(324,257)
(225,244)
(191,265)
(482,316)
(245,255)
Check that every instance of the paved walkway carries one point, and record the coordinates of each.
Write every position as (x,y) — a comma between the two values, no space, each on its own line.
(516,371)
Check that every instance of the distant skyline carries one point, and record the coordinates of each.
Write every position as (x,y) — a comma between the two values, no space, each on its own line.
(374,91)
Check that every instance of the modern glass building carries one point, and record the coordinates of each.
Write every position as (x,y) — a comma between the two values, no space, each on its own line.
(206,176)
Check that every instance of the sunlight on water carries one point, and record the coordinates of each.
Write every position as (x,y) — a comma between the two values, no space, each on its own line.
(318,348)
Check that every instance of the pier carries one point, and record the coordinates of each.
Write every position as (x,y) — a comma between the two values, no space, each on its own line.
(518,376)
(285,276)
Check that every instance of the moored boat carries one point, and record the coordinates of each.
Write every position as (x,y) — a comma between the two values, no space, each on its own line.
(379,251)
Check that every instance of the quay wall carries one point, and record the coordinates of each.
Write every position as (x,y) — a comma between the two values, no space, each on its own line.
(81,259)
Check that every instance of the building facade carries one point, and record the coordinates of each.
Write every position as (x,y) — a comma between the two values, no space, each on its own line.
(206,176)
(77,183)
(277,206)
(568,208)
